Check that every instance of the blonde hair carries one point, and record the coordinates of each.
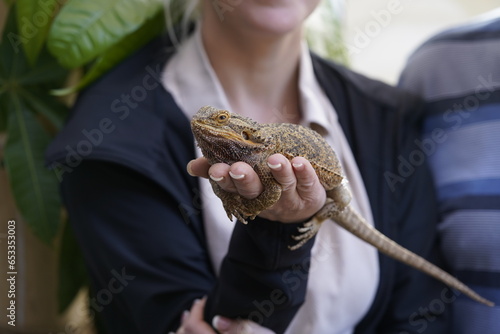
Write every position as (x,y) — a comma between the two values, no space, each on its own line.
(323,29)
(179,14)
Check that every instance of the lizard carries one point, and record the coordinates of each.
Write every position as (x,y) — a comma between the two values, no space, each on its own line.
(227,137)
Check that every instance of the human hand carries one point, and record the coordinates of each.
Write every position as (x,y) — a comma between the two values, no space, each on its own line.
(239,326)
(192,323)
(302,195)
(192,320)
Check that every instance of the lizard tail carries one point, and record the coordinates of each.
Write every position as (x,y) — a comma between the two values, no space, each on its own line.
(359,227)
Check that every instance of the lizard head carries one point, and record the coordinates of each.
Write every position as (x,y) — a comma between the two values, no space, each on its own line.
(226,137)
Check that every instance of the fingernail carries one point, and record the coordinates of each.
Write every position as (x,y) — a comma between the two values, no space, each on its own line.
(188,168)
(237,176)
(297,165)
(246,328)
(216,179)
(276,166)
(184,317)
(221,323)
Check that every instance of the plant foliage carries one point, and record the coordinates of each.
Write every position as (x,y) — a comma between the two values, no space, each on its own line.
(85,29)
(28,112)
(42,40)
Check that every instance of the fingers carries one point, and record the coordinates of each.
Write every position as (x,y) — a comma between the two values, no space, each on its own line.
(192,321)
(238,178)
(297,174)
(307,180)
(198,167)
(302,193)
(220,174)
(282,171)
(197,308)
(239,326)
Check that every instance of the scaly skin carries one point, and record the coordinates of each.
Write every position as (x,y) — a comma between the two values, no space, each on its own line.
(226,137)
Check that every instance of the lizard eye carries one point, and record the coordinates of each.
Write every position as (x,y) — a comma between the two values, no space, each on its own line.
(222,118)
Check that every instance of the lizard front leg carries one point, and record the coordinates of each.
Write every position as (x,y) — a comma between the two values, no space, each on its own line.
(230,201)
(243,208)
(267,198)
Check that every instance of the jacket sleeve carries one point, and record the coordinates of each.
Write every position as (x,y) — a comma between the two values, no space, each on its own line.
(147,264)
(253,282)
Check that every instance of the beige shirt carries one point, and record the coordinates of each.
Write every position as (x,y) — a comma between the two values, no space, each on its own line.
(344,270)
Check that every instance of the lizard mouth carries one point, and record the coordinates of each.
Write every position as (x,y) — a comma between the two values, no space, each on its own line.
(220,134)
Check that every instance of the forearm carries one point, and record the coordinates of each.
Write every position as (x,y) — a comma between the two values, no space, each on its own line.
(261,279)
(125,222)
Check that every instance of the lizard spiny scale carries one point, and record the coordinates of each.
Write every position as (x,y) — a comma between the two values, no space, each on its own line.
(226,137)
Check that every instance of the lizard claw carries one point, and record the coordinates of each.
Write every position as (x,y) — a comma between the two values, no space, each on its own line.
(307,232)
(241,216)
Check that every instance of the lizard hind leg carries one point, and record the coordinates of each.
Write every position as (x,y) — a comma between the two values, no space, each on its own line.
(341,197)
(337,199)
(307,232)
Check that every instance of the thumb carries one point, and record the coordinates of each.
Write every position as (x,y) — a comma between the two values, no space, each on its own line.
(238,326)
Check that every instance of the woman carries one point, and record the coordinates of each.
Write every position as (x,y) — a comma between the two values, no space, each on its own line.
(123,155)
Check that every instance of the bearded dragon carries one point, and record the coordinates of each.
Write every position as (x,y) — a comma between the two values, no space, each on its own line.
(227,137)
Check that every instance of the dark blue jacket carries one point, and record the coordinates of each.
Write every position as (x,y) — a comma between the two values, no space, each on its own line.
(136,212)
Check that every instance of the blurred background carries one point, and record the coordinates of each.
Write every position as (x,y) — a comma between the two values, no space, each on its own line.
(373,37)
(386,52)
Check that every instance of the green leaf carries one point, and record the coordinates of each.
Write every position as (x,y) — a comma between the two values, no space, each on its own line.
(84,29)
(12,60)
(30,83)
(33,19)
(34,187)
(118,52)
(47,72)
(47,106)
(3,113)
(15,73)
(72,273)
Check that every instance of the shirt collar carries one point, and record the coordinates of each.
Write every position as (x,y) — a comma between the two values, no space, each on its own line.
(317,111)
(190,78)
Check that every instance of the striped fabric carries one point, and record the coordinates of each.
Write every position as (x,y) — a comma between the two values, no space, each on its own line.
(458,73)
